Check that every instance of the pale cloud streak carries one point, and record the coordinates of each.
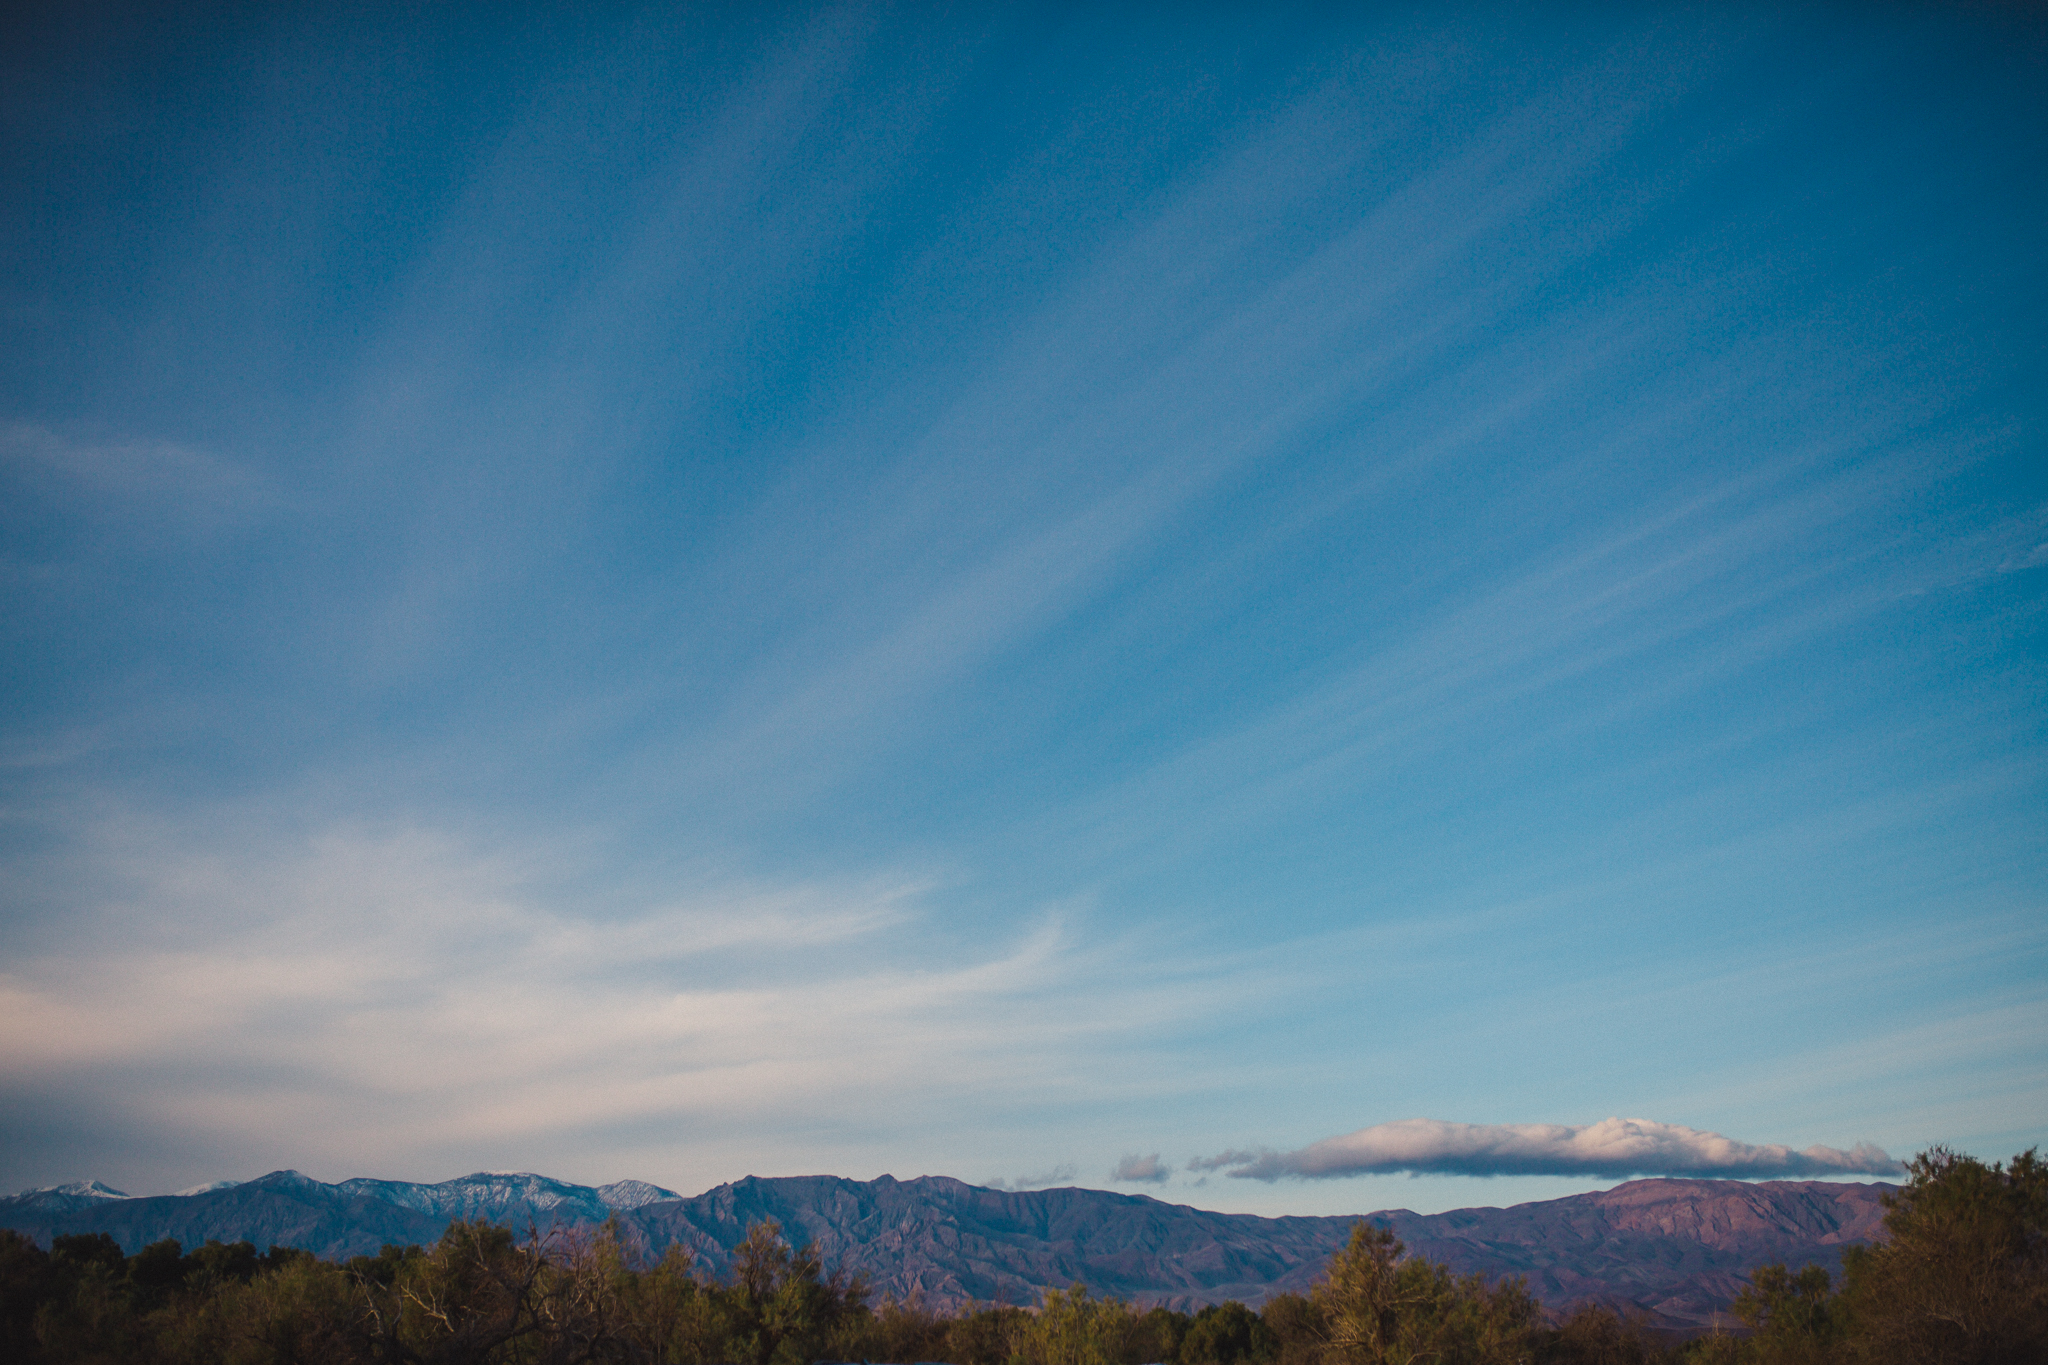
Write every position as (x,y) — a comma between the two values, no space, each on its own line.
(1059,1175)
(164,479)
(1611,1149)
(374,998)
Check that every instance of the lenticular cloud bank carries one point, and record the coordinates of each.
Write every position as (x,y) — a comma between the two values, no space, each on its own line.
(1611,1149)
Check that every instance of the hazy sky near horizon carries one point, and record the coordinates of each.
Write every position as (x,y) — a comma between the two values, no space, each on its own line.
(1020,592)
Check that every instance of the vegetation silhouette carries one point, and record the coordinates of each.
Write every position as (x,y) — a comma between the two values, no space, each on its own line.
(1961,1279)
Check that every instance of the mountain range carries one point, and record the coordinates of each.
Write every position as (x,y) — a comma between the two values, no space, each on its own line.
(1674,1250)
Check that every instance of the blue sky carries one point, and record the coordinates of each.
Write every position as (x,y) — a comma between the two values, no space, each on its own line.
(996,591)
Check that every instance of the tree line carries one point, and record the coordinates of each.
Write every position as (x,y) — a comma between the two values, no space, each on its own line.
(1961,1279)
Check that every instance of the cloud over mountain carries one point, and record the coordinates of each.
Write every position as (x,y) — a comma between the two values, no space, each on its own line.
(1062,1174)
(1610,1149)
(1146,1169)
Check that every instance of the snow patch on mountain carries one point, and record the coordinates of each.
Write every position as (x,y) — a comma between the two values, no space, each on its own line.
(77,1194)
(512,1197)
(85,1189)
(499,1196)
(290,1180)
(632,1194)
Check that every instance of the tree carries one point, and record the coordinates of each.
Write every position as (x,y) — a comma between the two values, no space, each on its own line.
(1593,1334)
(1363,1297)
(466,1302)
(984,1336)
(670,1316)
(295,1310)
(1962,1278)
(783,1309)
(1295,1327)
(1224,1334)
(1797,1319)
(1381,1308)
(26,1283)
(1074,1328)
(898,1329)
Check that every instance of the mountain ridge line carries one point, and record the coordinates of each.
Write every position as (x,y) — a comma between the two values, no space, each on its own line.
(1674,1249)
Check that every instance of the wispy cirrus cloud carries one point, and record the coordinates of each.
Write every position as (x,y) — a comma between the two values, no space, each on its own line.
(400,998)
(1613,1148)
(166,478)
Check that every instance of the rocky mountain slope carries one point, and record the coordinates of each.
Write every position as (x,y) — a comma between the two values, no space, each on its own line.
(1675,1249)
(1679,1250)
(949,1241)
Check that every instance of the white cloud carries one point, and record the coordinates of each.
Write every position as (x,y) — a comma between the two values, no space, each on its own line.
(1610,1149)
(1135,1169)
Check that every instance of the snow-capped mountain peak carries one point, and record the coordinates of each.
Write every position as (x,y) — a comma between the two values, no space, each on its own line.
(631,1194)
(513,1197)
(80,1189)
(501,1196)
(77,1194)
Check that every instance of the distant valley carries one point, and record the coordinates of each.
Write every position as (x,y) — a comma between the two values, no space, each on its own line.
(1677,1250)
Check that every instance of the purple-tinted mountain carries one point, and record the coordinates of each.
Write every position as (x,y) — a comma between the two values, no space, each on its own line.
(1678,1250)
(1675,1249)
(949,1242)
(283,1208)
(353,1217)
